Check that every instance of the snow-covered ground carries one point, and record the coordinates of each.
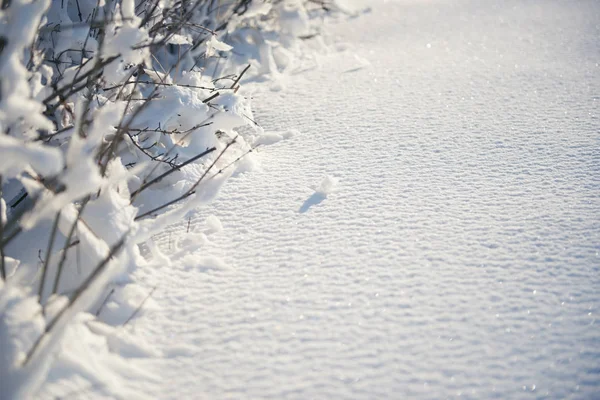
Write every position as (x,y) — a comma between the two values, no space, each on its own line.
(428,227)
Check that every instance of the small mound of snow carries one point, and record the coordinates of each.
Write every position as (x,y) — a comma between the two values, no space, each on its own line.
(213,225)
(269,138)
(192,241)
(121,341)
(291,133)
(126,301)
(277,86)
(127,345)
(204,263)
(363,62)
(327,185)
(247,164)
(257,9)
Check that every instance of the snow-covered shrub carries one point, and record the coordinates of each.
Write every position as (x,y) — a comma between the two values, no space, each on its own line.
(111,111)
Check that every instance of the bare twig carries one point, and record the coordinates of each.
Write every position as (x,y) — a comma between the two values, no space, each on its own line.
(192,190)
(2,211)
(105,301)
(240,77)
(211,98)
(76,295)
(48,254)
(137,310)
(63,256)
(162,176)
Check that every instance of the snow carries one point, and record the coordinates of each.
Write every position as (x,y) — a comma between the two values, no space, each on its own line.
(213,224)
(269,138)
(73,243)
(18,157)
(466,184)
(418,220)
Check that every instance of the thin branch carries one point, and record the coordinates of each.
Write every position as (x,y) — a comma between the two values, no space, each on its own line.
(2,211)
(63,256)
(240,77)
(105,301)
(137,310)
(76,295)
(165,84)
(83,24)
(48,254)
(234,162)
(68,89)
(167,132)
(169,172)
(192,190)
(211,98)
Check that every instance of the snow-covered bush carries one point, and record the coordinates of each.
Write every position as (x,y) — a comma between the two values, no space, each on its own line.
(111,112)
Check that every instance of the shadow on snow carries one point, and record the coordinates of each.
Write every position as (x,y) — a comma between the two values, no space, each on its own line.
(313,200)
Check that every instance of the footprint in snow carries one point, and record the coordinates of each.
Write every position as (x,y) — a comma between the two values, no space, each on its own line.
(327,186)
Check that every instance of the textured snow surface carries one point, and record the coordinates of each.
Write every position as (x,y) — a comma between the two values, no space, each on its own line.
(458,254)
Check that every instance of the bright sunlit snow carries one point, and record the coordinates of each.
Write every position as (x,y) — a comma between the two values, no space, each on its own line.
(459,255)
(411,210)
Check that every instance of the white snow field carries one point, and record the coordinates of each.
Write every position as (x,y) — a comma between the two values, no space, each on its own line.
(431,230)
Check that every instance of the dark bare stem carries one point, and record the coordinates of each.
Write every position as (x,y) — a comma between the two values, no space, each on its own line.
(160,157)
(79,11)
(48,254)
(69,89)
(122,129)
(148,15)
(105,301)
(199,181)
(83,24)
(2,211)
(137,310)
(240,77)
(11,236)
(166,132)
(122,86)
(203,123)
(211,98)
